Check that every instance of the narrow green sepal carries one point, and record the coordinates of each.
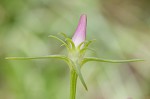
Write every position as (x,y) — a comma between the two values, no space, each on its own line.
(63,34)
(79,47)
(59,40)
(70,42)
(91,50)
(86,44)
(62,45)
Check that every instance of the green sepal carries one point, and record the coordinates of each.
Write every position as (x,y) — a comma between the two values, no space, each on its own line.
(91,50)
(62,45)
(88,59)
(79,47)
(63,34)
(59,40)
(83,50)
(71,42)
(88,43)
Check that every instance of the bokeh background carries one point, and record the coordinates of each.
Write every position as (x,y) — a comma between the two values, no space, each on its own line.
(121,29)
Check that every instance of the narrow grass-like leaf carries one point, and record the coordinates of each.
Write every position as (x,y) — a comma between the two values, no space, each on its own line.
(40,57)
(88,59)
(78,71)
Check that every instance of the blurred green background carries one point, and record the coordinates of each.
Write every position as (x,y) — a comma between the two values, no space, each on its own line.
(121,29)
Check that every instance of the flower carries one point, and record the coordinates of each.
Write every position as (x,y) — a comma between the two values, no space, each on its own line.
(80,33)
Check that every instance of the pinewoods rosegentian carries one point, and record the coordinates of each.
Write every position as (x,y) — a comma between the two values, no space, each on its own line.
(75,58)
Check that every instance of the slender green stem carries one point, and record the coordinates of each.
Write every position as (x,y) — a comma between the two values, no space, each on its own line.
(73,83)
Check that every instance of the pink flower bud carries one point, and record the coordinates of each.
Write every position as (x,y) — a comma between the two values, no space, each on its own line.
(80,33)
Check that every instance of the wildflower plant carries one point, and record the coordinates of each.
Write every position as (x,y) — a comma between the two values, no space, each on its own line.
(77,47)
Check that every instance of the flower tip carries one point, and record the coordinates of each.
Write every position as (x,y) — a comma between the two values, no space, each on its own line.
(84,15)
(80,33)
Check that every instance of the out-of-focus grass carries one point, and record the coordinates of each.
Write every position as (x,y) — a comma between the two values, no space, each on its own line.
(24,30)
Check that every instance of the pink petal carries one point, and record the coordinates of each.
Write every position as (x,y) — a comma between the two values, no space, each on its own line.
(80,33)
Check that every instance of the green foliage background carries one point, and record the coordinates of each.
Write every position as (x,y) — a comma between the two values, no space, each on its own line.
(121,29)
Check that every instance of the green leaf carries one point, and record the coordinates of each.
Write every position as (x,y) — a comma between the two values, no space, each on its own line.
(88,59)
(59,40)
(78,71)
(40,57)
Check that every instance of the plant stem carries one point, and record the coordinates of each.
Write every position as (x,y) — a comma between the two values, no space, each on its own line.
(73,83)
